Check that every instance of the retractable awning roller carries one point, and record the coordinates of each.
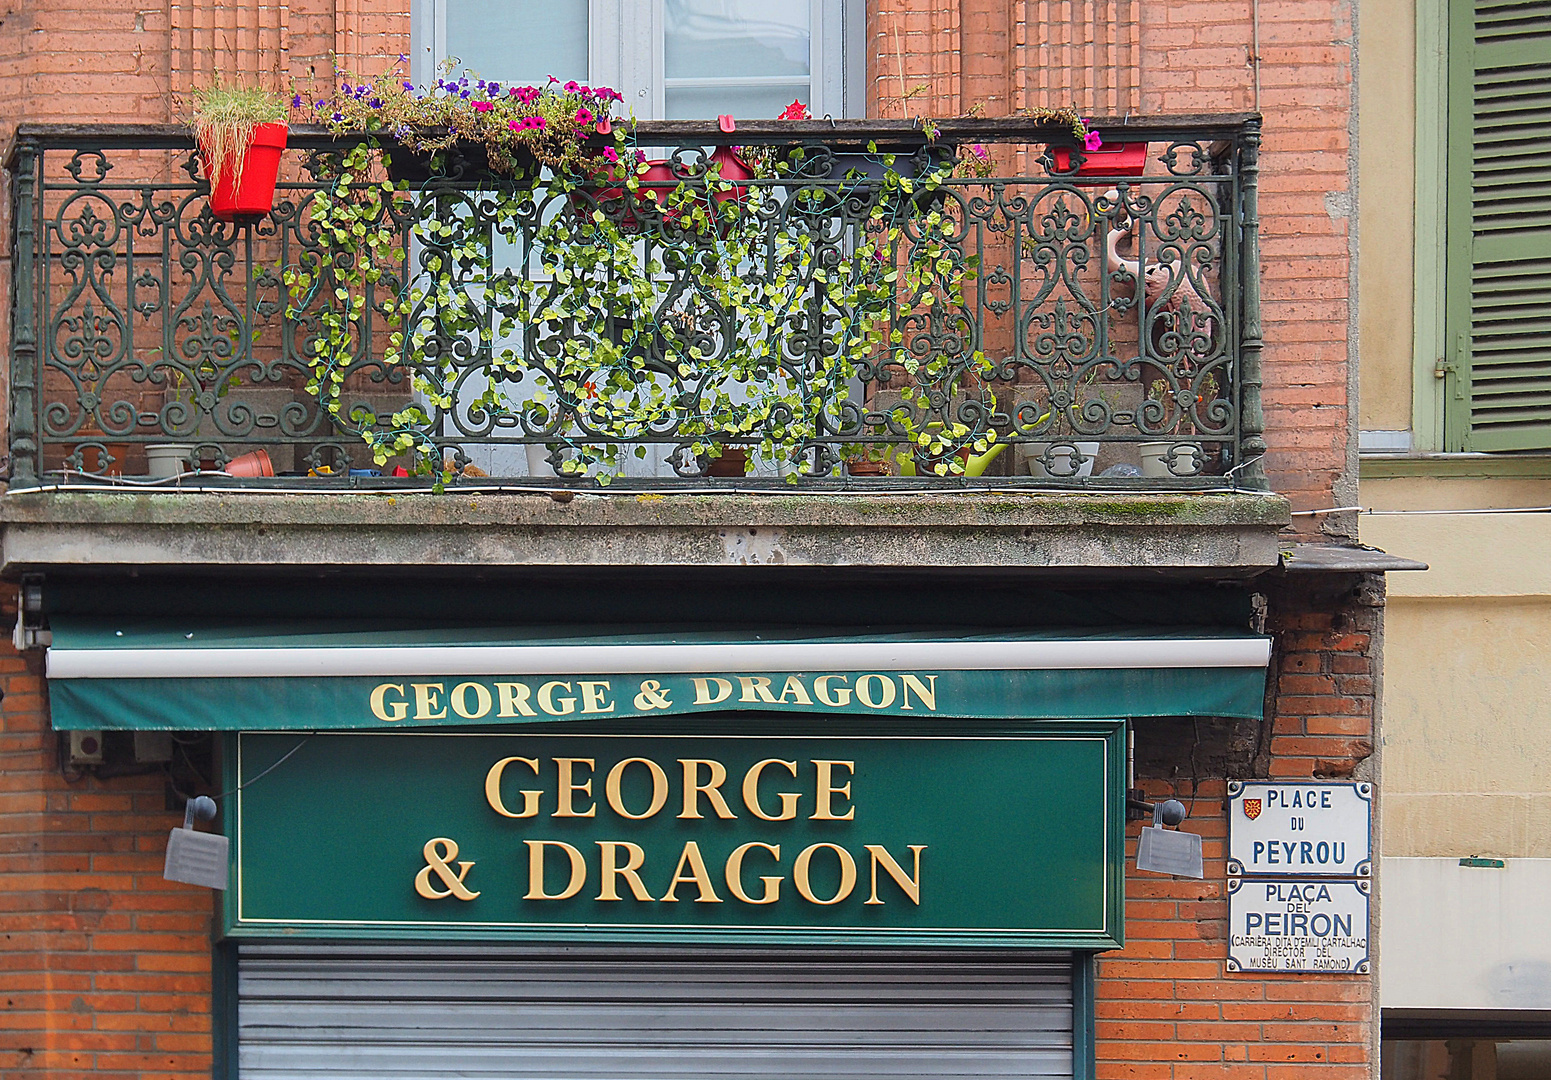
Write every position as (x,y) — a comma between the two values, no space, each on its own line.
(167,675)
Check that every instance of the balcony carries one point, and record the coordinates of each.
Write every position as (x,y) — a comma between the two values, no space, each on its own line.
(1024,325)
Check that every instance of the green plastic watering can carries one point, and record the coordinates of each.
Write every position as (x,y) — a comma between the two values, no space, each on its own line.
(974,465)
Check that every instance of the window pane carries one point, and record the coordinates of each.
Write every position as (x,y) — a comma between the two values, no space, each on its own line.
(523,43)
(743,102)
(711,38)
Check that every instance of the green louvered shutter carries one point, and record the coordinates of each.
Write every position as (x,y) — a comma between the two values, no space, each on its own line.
(1499,226)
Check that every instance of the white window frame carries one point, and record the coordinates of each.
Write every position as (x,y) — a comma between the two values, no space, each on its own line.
(625,51)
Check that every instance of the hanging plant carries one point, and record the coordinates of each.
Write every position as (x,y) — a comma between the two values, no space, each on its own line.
(514,126)
(737,324)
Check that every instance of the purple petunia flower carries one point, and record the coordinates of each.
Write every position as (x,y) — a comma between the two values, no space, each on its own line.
(296,101)
(408,85)
(374,103)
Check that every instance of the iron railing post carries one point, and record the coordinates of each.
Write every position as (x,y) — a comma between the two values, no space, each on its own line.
(24,333)
(1252,441)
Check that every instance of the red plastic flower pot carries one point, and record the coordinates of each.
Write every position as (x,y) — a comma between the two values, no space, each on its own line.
(1111,159)
(252,195)
(658,182)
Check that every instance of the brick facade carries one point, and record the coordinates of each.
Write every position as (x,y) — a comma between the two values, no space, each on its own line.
(107,966)
(119,62)
(1167,1008)
(105,970)
(104,966)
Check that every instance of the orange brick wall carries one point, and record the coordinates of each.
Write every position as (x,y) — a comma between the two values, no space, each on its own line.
(120,61)
(104,966)
(1167,1009)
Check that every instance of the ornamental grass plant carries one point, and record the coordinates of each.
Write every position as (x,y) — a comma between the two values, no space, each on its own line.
(223,119)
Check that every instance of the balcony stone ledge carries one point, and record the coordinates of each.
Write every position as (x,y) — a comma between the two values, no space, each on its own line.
(1196,533)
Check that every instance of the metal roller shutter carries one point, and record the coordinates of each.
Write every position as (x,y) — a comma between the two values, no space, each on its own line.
(341,1012)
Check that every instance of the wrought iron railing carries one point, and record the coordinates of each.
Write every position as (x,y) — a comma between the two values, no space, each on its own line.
(1105,331)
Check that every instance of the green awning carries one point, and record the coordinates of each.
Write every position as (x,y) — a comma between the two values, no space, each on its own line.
(115,673)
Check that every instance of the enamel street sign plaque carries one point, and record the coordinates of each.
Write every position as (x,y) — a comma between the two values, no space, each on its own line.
(1311,925)
(1305,829)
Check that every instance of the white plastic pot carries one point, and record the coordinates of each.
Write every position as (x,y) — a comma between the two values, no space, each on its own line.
(1155,458)
(168,459)
(1061,457)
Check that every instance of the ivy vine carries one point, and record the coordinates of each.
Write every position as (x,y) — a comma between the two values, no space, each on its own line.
(598,313)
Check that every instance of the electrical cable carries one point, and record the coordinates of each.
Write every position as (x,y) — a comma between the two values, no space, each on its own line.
(534,489)
(253,780)
(1369,511)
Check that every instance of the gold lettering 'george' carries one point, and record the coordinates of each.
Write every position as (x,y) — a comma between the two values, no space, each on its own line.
(611,788)
(751,792)
(826,791)
(569,787)
(530,799)
(693,788)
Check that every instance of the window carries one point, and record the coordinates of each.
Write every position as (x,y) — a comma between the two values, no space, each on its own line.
(1497,319)
(672,59)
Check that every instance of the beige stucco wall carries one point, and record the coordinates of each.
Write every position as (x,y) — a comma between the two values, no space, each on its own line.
(1466,722)
(1385,173)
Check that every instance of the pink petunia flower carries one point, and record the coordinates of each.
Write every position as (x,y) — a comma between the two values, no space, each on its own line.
(583,116)
(572,87)
(1092,142)
(483,106)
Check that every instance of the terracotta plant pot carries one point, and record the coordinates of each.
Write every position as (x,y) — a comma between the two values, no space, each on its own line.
(256,463)
(95,458)
(733,462)
(254,195)
(1111,159)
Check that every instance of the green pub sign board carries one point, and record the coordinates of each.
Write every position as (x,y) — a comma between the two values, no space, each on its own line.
(829,836)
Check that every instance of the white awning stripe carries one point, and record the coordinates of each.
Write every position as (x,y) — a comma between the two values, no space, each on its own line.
(583,659)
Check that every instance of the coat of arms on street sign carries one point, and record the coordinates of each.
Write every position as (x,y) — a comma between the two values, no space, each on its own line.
(1252,808)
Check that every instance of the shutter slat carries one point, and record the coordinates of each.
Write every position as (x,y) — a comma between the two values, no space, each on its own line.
(1499,190)
(398,1012)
